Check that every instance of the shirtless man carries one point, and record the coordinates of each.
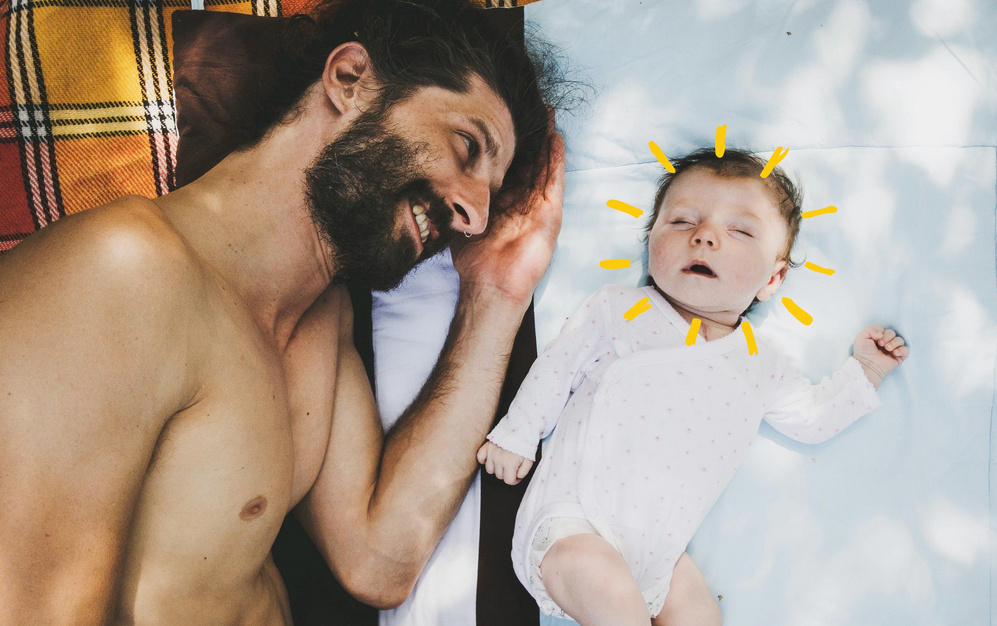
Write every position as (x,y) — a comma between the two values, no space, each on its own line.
(177,374)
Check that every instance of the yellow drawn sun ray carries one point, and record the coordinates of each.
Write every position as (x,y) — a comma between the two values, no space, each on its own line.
(818,268)
(614,264)
(749,336)
(690,337)
(777,156)
(642,306)
(626,208)
(658,154)
(824,211)
(720,142)
(804,318)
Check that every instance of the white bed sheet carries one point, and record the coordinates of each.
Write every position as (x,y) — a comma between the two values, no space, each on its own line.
(410,324)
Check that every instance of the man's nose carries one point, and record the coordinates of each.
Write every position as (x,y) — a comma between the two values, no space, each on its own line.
(470,203)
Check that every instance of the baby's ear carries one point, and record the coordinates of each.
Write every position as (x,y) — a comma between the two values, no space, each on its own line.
(775,280)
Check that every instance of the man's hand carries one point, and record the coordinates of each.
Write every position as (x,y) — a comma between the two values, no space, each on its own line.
(512,256)
(505,465)
(879,351)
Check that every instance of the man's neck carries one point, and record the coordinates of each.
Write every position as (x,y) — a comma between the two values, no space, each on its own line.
(248,220)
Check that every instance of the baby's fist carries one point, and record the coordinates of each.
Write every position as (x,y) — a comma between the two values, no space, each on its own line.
(879,350)
(505,465)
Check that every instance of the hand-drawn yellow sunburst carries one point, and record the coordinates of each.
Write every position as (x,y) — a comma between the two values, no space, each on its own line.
(644,305)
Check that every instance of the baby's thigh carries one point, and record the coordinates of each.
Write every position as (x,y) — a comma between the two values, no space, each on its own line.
(589,579)
(577,552)
(689,601)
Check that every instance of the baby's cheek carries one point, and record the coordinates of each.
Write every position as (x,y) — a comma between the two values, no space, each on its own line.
(655,265)
(657,256)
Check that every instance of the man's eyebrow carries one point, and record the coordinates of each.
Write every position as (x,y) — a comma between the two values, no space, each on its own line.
(490,147)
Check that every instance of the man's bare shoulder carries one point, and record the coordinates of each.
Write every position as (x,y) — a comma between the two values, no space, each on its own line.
(125,244)
(115,280)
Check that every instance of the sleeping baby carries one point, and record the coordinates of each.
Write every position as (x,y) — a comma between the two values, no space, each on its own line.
(649,429)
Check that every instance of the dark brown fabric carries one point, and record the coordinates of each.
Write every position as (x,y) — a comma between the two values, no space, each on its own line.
(220,61)
(502,600)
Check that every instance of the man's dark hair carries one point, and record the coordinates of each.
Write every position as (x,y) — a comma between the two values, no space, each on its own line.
(740,164)
(414,44)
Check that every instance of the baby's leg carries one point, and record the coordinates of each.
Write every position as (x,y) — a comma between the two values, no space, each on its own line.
(589,579)
(689,601)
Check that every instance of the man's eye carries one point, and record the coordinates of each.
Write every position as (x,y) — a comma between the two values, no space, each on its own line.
(472,147)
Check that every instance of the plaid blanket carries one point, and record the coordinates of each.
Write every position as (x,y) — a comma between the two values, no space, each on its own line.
(86,103)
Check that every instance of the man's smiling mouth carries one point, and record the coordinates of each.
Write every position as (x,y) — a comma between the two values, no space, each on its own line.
(427,231)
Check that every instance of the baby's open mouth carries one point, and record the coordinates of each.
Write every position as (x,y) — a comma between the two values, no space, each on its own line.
(699,268)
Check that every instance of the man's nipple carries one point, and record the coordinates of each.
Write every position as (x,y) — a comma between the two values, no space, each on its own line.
(253,509)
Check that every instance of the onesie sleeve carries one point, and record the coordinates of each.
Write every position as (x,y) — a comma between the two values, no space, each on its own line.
(554,376)
(813,413)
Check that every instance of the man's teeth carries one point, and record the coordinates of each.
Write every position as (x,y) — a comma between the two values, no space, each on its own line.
(420,219)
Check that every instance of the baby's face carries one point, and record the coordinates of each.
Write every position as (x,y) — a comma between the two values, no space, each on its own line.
(716,243)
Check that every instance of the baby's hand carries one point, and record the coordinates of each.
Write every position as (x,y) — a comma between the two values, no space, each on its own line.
(879,351)
(506,465)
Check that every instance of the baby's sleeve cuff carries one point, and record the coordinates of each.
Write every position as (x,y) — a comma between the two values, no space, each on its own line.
(866,390)
(510,439)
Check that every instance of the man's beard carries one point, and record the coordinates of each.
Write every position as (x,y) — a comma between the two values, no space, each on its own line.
(356,188)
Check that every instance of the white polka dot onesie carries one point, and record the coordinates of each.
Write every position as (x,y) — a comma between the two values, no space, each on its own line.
(650,430)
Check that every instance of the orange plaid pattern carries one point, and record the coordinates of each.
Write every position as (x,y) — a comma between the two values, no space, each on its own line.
(86,103)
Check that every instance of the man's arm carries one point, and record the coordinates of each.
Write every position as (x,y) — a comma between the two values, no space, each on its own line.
(377,519)
(85,373)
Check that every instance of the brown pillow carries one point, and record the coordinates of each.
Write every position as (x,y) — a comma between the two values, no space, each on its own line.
(221,61)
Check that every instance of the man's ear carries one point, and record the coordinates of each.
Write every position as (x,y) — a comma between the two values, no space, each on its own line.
(775,281)
(347,71)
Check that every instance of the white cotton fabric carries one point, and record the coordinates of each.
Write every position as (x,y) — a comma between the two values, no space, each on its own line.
(410,325)
(650,430)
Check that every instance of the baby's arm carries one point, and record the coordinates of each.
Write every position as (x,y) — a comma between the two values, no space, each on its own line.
(813,413)
(584,339)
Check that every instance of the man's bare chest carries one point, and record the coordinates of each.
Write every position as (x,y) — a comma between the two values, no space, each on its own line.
(226,471)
